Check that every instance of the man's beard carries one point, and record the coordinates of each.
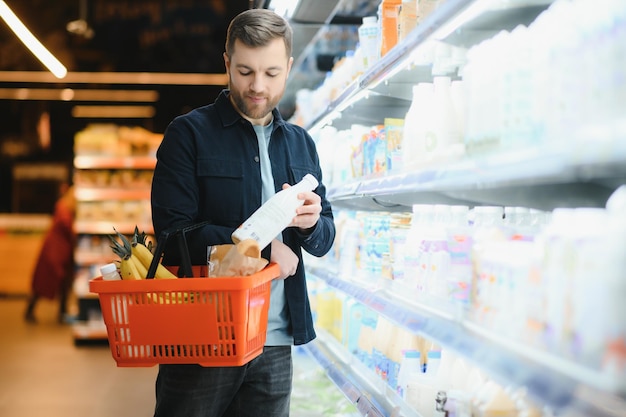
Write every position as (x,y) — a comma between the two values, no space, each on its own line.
(253,111)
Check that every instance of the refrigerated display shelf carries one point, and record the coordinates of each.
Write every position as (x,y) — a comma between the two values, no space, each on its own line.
(563,178)
(387,84)
(371,395)
(555,381)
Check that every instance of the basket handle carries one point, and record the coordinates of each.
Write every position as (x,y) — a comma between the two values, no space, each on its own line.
(181,234)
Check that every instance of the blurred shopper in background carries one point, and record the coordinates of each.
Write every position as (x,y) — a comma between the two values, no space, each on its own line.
(53,275)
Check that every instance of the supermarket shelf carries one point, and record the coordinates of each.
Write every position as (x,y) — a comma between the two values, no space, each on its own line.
(541,179)
(387,85)
(83,257)
(114,162)
(572,178)
(112,193)
(98,227)
(360,385)
(85,333)
(20,223)
(553,380)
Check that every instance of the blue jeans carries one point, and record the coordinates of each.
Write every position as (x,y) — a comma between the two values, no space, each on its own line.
(261,387)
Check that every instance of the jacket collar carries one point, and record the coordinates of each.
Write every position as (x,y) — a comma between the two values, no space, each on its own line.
(229,116)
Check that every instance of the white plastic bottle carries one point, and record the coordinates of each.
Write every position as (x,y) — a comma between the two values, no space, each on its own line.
(445,136)
(421,392)
(109,272)
(414,251)
(369,40)
(416,123)
(410,365)
(459,247)
(275,214)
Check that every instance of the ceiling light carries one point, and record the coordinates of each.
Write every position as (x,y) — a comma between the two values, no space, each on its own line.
(31,42)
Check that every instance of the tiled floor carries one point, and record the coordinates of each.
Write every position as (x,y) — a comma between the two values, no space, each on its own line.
(42,373)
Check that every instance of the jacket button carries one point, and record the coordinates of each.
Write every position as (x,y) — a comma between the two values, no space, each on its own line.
(256,159)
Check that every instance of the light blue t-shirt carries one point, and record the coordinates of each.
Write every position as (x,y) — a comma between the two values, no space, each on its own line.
(278,316)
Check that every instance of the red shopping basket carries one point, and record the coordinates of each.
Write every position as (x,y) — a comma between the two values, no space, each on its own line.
(219,321)
(208,321)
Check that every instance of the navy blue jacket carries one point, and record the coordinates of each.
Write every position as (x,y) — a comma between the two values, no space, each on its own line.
(208,169)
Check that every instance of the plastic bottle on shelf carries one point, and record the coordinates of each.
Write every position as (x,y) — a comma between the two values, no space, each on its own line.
(421,391)
(592,332)
(438,264)
(414,251)
(444,140)
(399,229)
(555,245)
(416,124)
(459,374)
(463,382)
(411,364)
(275,214)
(485,230)
(110,273)
(459,277)
(457,94)
(369,41)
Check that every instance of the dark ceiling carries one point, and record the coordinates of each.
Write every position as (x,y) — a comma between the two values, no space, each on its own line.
(128,35)
(156,36)
(181,36)
(162,36)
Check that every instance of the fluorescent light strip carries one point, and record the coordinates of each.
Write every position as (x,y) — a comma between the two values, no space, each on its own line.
(31,42)
(146,78)
(69,94)
(113,112)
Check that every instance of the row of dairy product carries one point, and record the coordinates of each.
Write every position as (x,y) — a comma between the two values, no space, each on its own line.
(513,91)
(377,35)
(558,81)
(549,280)
(432,380)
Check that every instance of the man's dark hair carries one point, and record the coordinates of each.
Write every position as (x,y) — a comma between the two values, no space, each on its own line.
(257,27)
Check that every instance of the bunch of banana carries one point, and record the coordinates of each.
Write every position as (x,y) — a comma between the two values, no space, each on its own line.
(136,257)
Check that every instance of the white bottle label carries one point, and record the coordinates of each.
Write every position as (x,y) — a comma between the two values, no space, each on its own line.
(275,214)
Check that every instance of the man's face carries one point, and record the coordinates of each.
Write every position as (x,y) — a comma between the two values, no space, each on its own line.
(257,78)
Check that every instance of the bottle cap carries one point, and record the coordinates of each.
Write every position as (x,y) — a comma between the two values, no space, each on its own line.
(369,20)
(412,353)
(109,272)
(311,180)
(434,354)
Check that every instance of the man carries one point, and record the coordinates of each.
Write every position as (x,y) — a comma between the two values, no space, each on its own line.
(219,163)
